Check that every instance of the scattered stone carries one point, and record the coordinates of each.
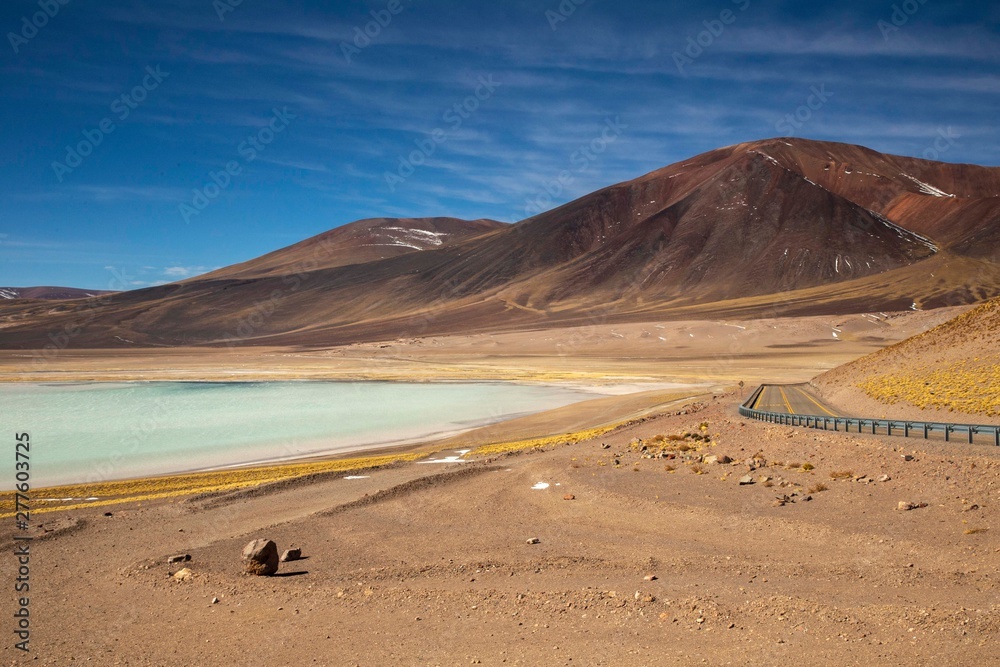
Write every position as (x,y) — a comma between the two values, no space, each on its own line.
(971,508)
(290,555)
(183,575)
(181,558)
(746,479)
(807,498)
(605,445)
(215,600)
(906,506)
(569,496)
(108,514)
(907,457)
(533,540)
(650,577)
(781,501)
(884,478)
(260,558)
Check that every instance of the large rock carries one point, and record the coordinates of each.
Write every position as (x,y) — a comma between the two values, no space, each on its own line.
(260,557)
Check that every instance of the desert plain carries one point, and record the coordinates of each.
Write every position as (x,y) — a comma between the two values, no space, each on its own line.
(653,525)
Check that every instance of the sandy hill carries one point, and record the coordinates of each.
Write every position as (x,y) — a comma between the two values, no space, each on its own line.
(48,293)
(765,228)
(949,373)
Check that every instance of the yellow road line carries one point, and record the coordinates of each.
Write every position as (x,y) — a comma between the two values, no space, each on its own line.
(785,399)
(815,402)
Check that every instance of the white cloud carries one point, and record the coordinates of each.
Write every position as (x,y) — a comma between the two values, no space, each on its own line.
(181,272)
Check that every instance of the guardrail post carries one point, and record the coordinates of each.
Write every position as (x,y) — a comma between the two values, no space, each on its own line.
(888,428)
(996,436)
(926,429)
(873,427)
(906,429)
(947,433)
(972,429)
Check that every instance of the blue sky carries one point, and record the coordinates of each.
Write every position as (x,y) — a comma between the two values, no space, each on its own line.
(216,131)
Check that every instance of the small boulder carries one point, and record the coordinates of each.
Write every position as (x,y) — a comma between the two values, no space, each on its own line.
(650,577)
(183,575)
(569,496)
(260,558)
(906,506)
(533,540)
(180,558)
(290,555)
(746,479)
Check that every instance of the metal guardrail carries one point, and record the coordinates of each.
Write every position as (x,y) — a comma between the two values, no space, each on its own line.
(907,429)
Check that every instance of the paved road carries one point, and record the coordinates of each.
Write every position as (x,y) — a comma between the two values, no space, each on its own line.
(795,400)
(791,400)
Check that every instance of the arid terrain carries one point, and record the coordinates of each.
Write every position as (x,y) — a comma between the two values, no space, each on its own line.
(648,551)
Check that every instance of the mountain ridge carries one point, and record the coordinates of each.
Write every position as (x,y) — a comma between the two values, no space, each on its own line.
(761,228)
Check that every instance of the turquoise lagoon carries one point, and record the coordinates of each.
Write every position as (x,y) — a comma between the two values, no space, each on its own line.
(100,431)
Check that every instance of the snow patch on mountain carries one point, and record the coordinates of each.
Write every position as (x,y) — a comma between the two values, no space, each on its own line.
(928,189)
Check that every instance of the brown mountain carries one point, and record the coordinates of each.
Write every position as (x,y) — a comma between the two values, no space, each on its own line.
(784,226)
(357,243)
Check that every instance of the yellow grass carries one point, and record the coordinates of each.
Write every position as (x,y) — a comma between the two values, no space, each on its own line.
(971,386)
(539,443)
(110,493)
